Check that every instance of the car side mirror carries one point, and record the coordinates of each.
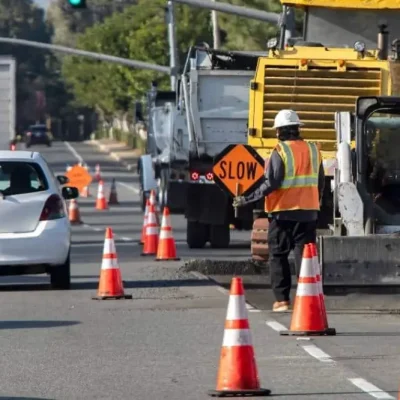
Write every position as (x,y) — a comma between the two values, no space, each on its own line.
(69,192)
(62,179)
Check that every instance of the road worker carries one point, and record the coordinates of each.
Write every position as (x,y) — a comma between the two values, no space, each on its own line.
(293,187)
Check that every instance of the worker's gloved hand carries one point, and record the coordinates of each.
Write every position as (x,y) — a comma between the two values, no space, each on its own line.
(239,201)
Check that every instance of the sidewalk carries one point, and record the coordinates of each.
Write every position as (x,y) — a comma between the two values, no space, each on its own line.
(119,151)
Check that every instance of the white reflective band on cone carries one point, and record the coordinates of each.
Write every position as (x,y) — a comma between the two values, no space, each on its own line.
(166,221)
(237,337)
(307,289)
(109,247)
(109,263)
(151,219)
(307,268)
(165,234)
(236,308)
(151,230)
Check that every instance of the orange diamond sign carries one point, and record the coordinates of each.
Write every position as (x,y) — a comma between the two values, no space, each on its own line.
(238,166)
(78,177)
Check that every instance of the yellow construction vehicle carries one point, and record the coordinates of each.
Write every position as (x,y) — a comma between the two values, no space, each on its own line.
(345,53)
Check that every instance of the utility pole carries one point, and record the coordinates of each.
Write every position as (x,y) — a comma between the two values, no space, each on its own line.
(215,27)
(173,51)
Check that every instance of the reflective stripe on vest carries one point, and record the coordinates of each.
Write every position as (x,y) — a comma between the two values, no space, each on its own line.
(299,189)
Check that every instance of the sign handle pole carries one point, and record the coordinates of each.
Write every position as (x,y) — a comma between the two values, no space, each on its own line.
(238,193)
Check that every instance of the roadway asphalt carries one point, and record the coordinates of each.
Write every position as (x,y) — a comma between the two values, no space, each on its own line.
(165,342)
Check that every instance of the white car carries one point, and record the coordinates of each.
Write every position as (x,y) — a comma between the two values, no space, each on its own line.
(35,232)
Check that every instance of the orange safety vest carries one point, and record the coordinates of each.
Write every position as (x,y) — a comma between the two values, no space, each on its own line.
(299,189)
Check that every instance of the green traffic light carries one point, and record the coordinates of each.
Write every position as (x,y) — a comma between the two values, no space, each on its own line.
(77,3)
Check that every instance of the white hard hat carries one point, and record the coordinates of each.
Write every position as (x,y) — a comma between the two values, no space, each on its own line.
(286,118)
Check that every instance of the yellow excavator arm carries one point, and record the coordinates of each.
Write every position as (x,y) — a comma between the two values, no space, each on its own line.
(359,4)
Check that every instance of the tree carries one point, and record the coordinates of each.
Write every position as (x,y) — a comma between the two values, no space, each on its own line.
(139,32)
(246,34)
(67,23)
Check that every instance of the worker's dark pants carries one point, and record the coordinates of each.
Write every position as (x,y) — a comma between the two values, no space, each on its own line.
(284,236)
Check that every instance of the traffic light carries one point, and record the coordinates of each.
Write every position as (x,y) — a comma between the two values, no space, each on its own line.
(77,3)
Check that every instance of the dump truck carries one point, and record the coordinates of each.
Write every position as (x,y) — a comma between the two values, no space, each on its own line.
(342,55)
(215,90)
(164,167)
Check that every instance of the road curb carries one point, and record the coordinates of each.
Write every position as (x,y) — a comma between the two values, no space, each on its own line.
(115,156)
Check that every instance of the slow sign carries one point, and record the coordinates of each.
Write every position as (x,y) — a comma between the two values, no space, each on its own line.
(238,169)
(78,177)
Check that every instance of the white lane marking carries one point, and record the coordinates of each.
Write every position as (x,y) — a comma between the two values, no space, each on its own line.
(370,389)
(130,187)
(73,152)
(276,326)
(317,353)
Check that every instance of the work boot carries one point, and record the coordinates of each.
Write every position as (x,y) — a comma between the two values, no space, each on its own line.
(281,306)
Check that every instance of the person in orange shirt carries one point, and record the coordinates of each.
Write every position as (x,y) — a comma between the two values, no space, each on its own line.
(293,187)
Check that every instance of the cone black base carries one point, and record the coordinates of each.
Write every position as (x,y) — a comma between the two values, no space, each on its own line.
(325,332)
(239,393)
(76,223)
(124,296)
(145,254)
(167,259)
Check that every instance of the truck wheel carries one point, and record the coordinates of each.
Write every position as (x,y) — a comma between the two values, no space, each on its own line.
(196,235)
(220,236)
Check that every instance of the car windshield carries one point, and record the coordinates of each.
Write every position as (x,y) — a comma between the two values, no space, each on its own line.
(383,142)
(38,129)
(19,177)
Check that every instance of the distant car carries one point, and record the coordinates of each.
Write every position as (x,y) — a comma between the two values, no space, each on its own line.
(38,134)
(35,232)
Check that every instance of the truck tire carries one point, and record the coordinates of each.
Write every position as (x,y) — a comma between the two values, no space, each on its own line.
(220,236)
(196,235)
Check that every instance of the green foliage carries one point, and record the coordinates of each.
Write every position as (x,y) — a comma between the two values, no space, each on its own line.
(138,33)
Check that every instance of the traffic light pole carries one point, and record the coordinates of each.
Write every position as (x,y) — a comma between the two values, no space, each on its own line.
(235,10)
(173,51)
(89,54)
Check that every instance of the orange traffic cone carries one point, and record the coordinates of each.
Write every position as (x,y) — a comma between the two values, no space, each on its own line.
(101,202)
(307,318)
(110,284)
(146,214)
(113,199)
(166,250)
(97,173)
(153,201)
(314,253)
(237,372)
(74,215)
(151,237)
(85,192)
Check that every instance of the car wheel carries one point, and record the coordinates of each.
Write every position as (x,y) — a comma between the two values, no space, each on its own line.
(60,276)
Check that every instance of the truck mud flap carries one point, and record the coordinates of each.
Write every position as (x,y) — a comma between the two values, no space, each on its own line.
(367,264)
